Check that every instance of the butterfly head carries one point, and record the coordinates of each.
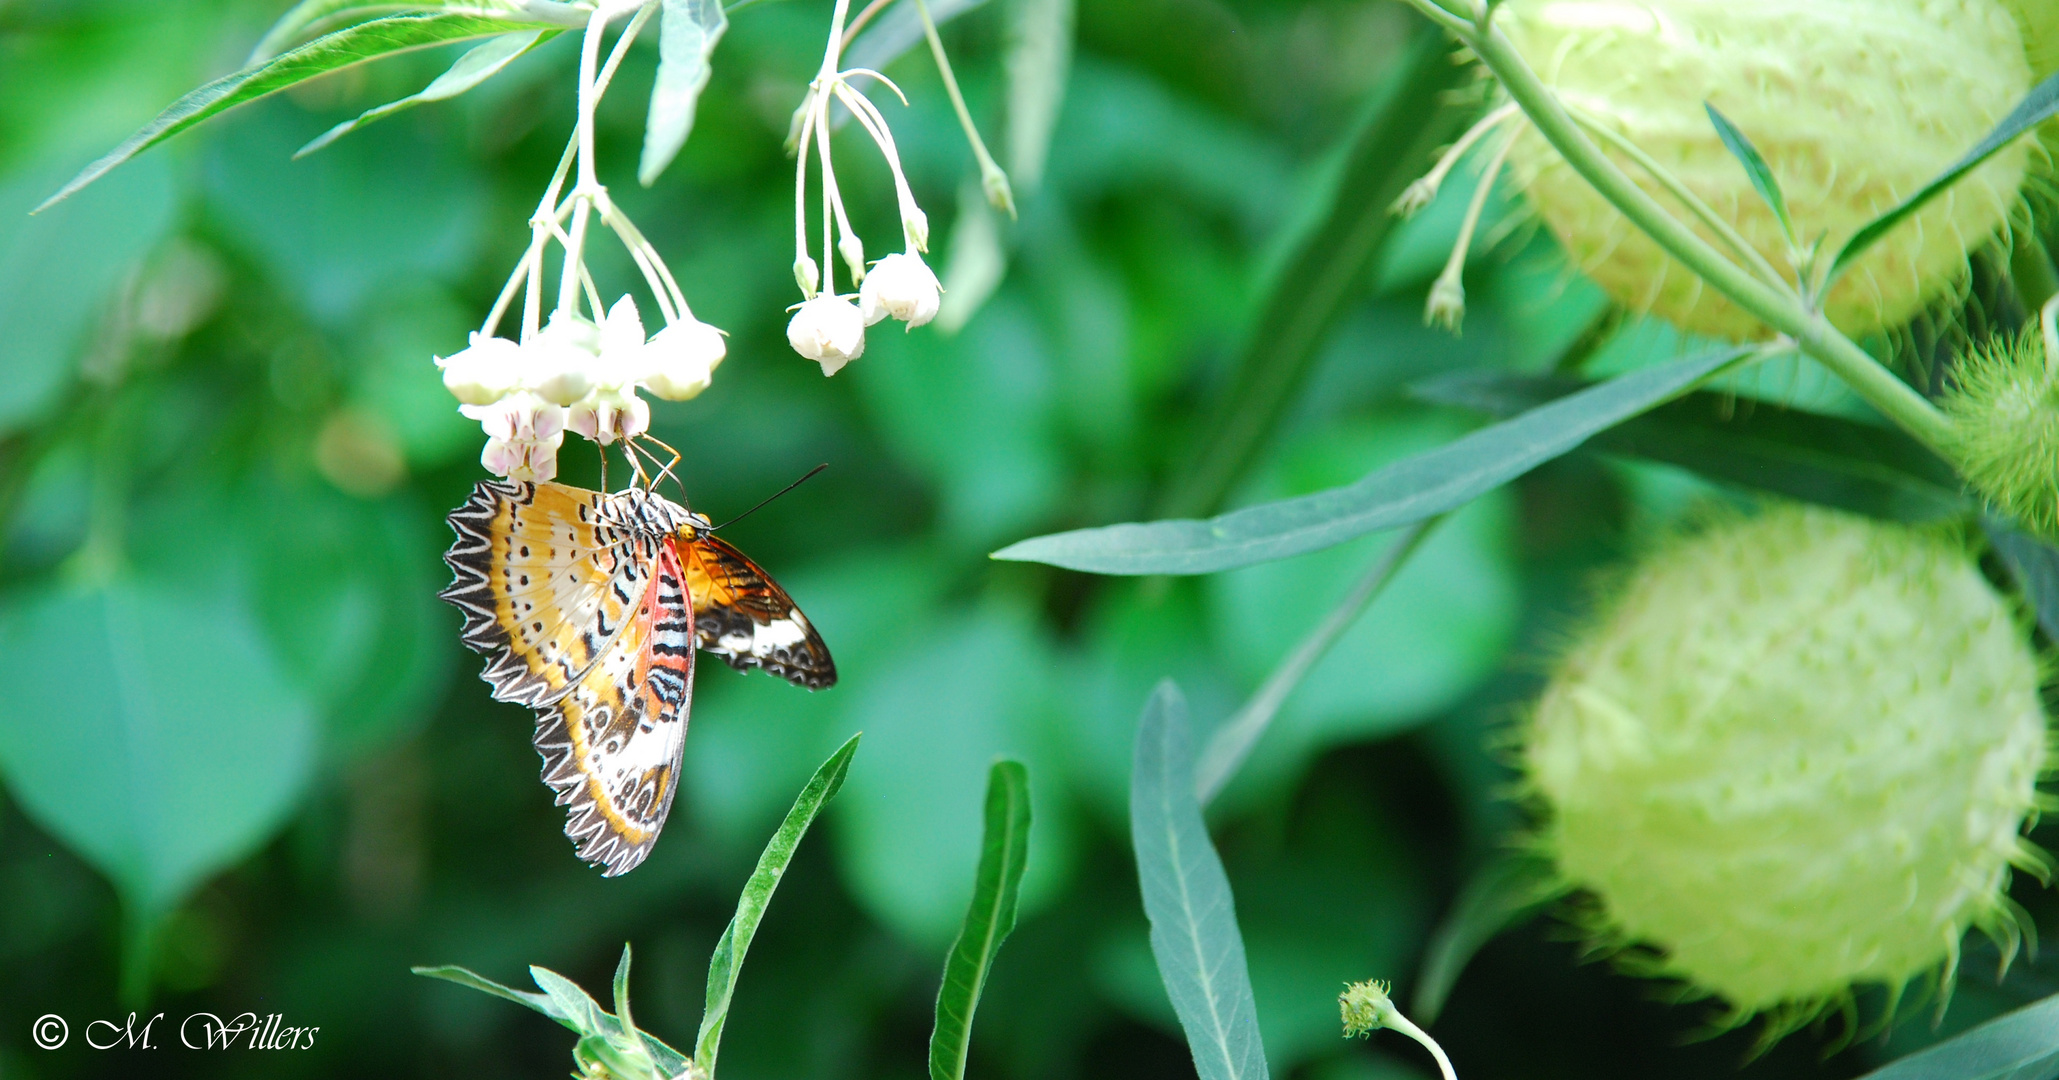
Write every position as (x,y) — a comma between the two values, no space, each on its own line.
(650,514)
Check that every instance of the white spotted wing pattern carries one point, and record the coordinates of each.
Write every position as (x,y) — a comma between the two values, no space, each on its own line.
(588,608)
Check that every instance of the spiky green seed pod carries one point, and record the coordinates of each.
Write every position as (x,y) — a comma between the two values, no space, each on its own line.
(1853,103)
(1796,755)
(2004,405)
(2039,20)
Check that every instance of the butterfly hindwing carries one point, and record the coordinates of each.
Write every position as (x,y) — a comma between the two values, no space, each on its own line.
(543,583)
(749,621)
(612,744)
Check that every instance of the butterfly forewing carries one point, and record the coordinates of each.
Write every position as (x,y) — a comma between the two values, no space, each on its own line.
(748,620)
(588,608)
(543,584)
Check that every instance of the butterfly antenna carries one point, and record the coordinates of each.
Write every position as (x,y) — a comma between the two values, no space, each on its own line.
(805,477)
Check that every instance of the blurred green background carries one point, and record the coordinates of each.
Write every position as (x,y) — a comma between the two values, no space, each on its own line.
(235,722)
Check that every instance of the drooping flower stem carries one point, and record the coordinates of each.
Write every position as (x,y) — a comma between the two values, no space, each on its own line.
(991,176)
(1780,309)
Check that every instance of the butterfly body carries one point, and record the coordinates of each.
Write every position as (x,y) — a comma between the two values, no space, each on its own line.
(590,608)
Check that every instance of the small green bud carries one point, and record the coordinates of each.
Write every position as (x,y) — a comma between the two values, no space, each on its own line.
(1365,1006)
(2005,434)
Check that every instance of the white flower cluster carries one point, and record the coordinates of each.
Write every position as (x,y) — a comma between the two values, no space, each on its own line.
(581,370)
(571,373)
(575,376)
(829,328)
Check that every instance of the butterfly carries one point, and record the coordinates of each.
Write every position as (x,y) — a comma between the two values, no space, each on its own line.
(589,608)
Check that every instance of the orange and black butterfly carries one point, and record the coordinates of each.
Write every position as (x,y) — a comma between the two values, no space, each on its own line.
(589,607)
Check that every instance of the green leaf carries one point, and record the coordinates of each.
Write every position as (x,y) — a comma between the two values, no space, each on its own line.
(1039,60)
(1864,468)
(1410,119)
(57,272)
(1755,168)
(332,52)
(2022,1045)
(990,917)
(1500,895)
(153,732)
(2035,565)
(668,1059)
(1409,490)
(1194,934)
(313,18)
(480,63)
(686,39)
(2036,106)
(727,964)
(897,30)
(582,1013)
(464,977)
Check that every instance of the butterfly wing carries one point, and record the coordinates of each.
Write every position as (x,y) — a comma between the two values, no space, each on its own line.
(543,584)
(746,619)
(612,743)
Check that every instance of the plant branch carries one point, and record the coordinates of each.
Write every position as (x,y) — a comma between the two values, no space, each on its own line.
(1782,311)
(1232,742)
(991,176)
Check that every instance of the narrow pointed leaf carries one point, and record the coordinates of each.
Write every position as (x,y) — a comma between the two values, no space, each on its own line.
(480,63)
(2022,1045)
(897,30)
(1501,894)
(625,1022)
(727,963)
(2041,103)
(582,1013)
(2035,565)
(686,39)
(313,18)
(1864,468)
(1004,854)
(332,52)
(1406,491)
(1194,935)
(1755,168)
(463,977)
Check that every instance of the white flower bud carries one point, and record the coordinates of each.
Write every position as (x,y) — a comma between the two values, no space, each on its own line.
(561,359)
(807,275)
(828,330)
(915,225)
(484,371)
(853,251)
(681,361)
(903,286)
(535,460)
(621,345)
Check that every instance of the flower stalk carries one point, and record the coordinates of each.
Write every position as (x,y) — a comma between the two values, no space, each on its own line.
(1784,310)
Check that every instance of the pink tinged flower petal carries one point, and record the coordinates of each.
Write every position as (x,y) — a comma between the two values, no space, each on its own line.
(828,330)
(606,416)
(482,372)
(901,285)
(522,459)
(680,362)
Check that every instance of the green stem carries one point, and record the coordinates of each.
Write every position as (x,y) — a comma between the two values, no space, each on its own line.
(1782,311)
(991,176)
(1232,742)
